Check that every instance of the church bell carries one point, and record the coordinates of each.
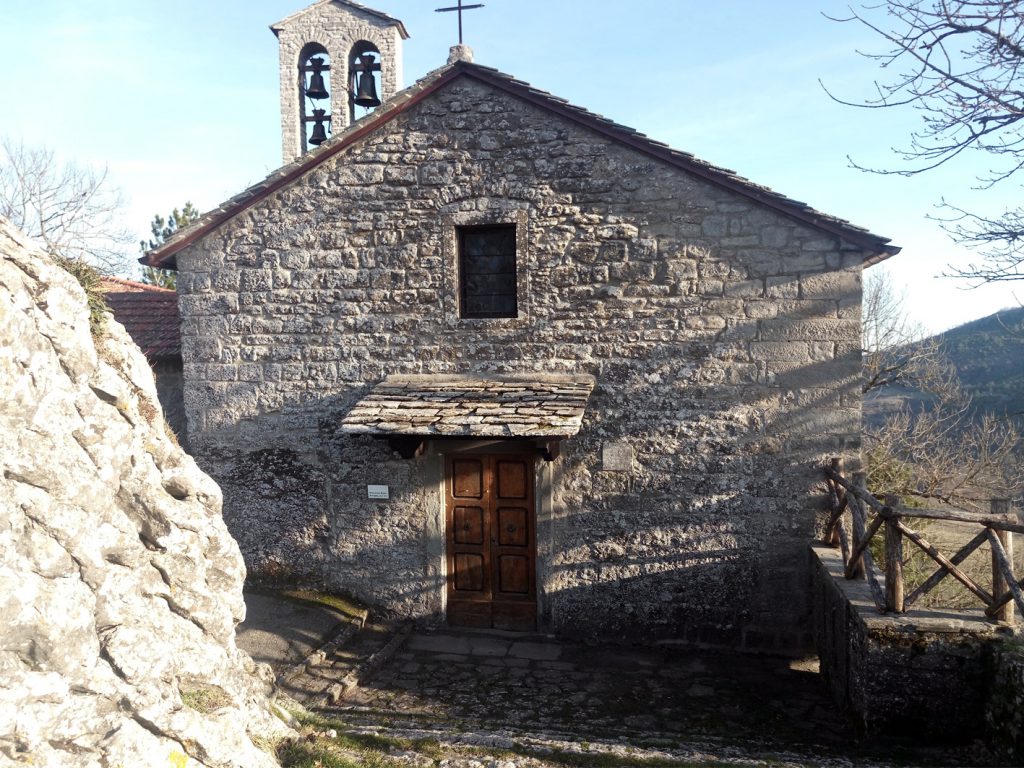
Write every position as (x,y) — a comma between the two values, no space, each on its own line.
(319,135)
(366,91)
(317,90)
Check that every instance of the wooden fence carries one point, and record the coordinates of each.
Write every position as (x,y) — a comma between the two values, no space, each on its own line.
(997,529)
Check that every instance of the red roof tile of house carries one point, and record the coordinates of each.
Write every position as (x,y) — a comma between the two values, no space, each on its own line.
(148,313)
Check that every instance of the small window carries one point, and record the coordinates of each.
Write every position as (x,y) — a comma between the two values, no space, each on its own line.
(487,271)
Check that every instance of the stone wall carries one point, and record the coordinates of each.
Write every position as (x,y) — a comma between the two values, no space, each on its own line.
(170,389)
(724,338)
(1004,711)
(920,673)
(337,28)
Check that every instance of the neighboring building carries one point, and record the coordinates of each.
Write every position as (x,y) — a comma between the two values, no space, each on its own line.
(486,357)
(150,315)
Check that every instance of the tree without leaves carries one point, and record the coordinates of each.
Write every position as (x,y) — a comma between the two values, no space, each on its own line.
(931,446)
(163,229)
(939,452)
(961,64)
(72,211)
(896,351)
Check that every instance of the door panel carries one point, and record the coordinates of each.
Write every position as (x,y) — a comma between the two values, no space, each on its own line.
(513,577)
(469,573)
(491,543)
(512,480)
(469,525)
(468,479)
(512,527)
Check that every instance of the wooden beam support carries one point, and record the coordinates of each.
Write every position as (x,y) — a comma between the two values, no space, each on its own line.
(866,558)
(943,570)
(894,584)
(1013,586)
(860,544)
(408,446)
(839,503)
(1000,521)
(1000,582)
(855,568)
(942,560)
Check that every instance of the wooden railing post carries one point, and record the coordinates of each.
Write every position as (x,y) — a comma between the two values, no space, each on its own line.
(860,482)
(833,534)
(894,587)
(999,583)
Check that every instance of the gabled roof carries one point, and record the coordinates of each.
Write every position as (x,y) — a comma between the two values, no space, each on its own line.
(877,247)
(275,28)
(148,313)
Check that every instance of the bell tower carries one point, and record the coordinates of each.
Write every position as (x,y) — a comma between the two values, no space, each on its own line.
(339,60)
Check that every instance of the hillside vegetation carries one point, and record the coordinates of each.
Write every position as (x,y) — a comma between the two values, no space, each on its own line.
(988,355)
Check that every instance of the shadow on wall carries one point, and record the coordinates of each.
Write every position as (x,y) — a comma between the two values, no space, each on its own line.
(705,540)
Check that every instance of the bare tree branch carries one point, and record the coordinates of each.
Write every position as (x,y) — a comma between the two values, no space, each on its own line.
(933,445)
(71,210)
(960,64)
(895,350)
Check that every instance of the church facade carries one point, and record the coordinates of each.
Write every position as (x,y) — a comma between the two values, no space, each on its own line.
(485,358)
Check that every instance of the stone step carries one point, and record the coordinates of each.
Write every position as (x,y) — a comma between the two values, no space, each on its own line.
(336,669)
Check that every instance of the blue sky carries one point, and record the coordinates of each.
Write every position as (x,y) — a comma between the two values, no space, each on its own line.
(180,102)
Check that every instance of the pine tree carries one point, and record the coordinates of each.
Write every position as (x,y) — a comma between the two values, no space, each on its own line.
(162,230)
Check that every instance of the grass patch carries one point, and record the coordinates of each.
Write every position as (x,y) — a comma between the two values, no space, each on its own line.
(89,278)
(204,698)
(322,753)
(355,751)
(342,603)
(372,750)
(355,741)
(604,759)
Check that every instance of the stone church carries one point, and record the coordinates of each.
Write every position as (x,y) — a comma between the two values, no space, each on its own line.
(476,355)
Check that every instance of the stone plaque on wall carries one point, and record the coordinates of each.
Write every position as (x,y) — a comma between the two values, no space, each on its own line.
(617,457)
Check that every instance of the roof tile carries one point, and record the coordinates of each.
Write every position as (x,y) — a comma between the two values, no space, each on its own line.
(539,405)
(148,313)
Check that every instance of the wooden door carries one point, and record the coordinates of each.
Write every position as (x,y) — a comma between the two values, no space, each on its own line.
(491,542)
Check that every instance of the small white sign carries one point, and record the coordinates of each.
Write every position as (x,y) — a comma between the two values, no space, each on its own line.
(617,457)
(377,492)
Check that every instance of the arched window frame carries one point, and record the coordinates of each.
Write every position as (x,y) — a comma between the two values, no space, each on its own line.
(306,105)
(360,49)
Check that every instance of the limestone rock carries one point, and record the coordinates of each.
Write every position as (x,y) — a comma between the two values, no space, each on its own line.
(119,585)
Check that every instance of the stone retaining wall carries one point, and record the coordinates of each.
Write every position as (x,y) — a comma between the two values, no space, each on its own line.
(1004,713)
(922,672)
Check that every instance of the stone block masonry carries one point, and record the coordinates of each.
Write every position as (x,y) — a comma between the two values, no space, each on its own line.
(920,673)
(338,27)
(723,337)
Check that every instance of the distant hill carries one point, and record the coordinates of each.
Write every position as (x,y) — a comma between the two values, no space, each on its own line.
(988,355)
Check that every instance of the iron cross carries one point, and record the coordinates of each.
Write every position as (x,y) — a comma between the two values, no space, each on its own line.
(460,8)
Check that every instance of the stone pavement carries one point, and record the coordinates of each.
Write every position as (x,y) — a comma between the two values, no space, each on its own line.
(530,694)
(502,680)
(282,631)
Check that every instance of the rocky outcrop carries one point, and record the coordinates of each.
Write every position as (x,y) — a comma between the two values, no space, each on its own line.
(120,587)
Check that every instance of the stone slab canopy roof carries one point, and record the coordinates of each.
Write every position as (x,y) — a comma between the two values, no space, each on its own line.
(148,313)
(877,248)
(543,406)
(275,28)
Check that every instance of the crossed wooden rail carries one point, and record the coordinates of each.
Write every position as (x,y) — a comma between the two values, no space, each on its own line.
(998,528)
